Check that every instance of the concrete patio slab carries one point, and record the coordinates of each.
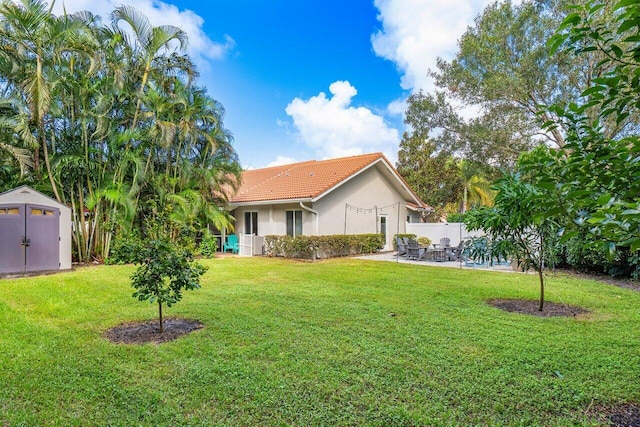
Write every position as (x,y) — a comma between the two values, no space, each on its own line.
(392,257)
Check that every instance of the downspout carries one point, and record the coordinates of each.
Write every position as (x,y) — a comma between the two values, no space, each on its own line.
(308,209)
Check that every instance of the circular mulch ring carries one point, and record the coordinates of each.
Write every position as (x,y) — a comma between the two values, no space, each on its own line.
(149,331)
(624,415)
(523,306)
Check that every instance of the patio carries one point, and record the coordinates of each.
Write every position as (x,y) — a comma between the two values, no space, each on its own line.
(393,257)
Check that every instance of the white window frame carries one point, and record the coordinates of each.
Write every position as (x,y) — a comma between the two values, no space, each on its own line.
(295,214)
(251,225)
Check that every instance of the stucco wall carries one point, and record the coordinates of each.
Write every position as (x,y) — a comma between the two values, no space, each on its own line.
(272,219)
(363,193)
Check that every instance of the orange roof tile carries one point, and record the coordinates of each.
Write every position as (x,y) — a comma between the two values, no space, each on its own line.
(305,180)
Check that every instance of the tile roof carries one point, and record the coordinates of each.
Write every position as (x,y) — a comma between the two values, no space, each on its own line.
(305,180)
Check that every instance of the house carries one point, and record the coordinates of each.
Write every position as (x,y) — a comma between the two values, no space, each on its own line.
(349,195)
(35,232)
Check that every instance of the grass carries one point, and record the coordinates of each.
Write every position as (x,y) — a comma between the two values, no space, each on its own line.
(313,344)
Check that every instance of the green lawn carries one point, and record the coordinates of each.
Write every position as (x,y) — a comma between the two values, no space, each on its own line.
(313,344)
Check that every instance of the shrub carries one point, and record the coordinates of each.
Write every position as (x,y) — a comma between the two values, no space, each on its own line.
(455,217)
(312,247)
(124,249)
(208,246)
(424,241)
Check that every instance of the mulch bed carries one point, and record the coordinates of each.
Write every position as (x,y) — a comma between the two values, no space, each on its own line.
(149,331)
(550,309)
(624,415)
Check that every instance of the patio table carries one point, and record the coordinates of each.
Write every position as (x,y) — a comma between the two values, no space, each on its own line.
(439,253)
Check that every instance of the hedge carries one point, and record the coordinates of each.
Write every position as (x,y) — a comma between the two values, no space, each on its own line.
(314,247)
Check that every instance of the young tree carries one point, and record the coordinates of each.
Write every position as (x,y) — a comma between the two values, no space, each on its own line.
(164,272)
(517,225)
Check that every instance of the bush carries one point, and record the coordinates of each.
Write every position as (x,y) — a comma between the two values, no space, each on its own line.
(124,249)
(313,247)
(424,241)
(455,217)
(208,246)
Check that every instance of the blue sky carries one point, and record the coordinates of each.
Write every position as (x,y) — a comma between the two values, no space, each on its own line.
(303,79)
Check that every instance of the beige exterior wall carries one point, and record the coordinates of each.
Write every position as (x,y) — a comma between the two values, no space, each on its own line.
(363,193)
(272,219)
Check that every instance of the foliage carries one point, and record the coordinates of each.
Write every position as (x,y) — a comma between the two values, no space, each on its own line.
(208,246)
(164,272)
(597,176)
(432,175)
(126,249)
(439,177)
(478,249)
(313,343)
(585,254)
(109,120)
(503,71)
(518,226)
(455,217)
(424,241)
(313,247)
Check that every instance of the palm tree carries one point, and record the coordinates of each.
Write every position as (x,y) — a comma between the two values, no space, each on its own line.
(476,189)
(149,42)
(33,43)
(114,119)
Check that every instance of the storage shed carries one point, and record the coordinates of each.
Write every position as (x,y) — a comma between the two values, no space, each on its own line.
(35,232)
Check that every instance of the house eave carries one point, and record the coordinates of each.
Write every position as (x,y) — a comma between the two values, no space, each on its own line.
(235,205)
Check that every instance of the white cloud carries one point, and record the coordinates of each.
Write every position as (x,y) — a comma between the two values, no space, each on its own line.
(281,160)
(415,32)
(201,48)
(333,128)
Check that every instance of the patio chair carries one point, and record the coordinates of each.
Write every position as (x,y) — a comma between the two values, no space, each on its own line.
(402,248)
(454,253)
(445,242)
(414,251)
(232,244)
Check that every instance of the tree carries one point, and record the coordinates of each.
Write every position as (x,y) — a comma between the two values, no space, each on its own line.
(102,119)
(597,175)
(517,225)
(476,189)
(449,184)
(504,70)
(432,175)
(164,272)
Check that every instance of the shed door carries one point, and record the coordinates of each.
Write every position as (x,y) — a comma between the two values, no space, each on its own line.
(29,238)
(43,232)
(12,231)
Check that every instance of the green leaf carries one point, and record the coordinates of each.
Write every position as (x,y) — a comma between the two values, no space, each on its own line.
(568,236)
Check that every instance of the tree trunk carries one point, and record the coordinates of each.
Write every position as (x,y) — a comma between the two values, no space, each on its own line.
(541,276)
(160,317)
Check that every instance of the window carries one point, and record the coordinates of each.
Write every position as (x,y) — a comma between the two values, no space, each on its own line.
(44,212)
(251,223)
(294,223)
(383,227)
(10,211)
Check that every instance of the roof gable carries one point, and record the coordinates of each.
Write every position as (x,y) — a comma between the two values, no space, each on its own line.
(309,180)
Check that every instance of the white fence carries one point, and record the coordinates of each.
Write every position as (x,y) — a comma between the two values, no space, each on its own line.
(250,245)
(455,231)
